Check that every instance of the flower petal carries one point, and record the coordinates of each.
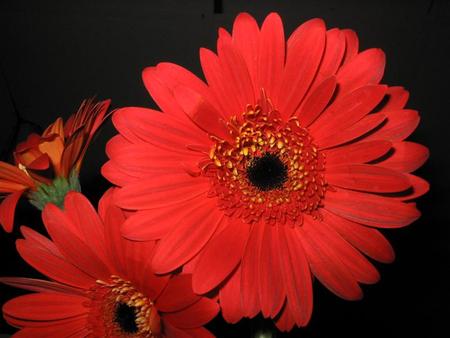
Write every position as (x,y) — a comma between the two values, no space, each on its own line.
(399,125)
(219,257)
(360,152)
(202,113)
(271,287)
(364,69)
(304,52)
(39,285)
(316,102)
(187,237)
(195,315)
(45,306)
(296,275)
(365,125)
(332,57)
(271,54)
(351,45)
(347,110)
(366,177)
(166,190)
(177,295)
(70,244)
(230,298)
(370,209)
(246,38)
(44,256)
(8,209)
(324,263)
(369,241)
(407,157)
(250,272)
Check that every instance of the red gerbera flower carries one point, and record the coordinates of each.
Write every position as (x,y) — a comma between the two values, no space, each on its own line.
(278,168)
(46,167)
(103,284)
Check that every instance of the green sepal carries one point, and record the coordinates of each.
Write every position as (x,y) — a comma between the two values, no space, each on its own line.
(55,192)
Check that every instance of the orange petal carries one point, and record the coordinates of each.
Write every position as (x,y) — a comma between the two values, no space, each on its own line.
(54,148)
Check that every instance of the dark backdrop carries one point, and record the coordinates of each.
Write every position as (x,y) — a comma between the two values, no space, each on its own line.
(55,53)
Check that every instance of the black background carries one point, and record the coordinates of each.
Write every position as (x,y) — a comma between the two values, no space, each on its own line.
(55,53)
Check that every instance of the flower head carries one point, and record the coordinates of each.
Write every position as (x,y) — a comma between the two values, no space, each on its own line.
(102,284)
(279,168)
(47,166)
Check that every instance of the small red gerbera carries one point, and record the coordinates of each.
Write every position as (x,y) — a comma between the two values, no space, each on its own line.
(277,169)
(102,284)
(46,167)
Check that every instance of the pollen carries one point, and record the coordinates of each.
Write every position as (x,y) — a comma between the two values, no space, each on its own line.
(125,310)
(271,170)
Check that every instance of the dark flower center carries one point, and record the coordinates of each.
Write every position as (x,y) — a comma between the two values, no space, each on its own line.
(267,172)
(125,316)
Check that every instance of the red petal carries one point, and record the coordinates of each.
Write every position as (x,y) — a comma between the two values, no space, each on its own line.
(161,80)
(117,175)
(271,54)
(200,332)
(187,237)
(360,152)
(325,264)
(419,188)
(397,99)
(166,190)
(364,69)
(8,209)
(370,209)
(219,257)
(316,102)
(86,222)
(246,38)
(297,277)
(12,173)
(58,226)
(353,260)
(177,295)
(195,315)
(45,306)
(332,57)
(399,125)
(73,327)
(285,320)
(250,272)
(39,285)
(271,289)
(43,255)
(352,45)
(360,128)
(201,112)
(223,91)
(407,157)
(369,241)
(152,224)
(348,110)
(366,177)
(230,298)
(236,75)
(157,128)
(304,52)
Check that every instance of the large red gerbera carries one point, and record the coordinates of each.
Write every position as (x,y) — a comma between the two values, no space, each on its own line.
(278,168)
(47,166)
(102,284)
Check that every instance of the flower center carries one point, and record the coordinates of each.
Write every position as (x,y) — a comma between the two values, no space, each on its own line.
(271,170)
(118,309)
(267,172)
(126,318)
